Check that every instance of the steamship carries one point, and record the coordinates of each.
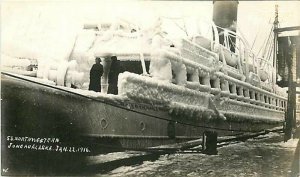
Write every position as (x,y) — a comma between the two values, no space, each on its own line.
(167,90)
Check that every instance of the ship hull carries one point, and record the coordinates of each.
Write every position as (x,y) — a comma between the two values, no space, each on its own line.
(37,110)
(34,110)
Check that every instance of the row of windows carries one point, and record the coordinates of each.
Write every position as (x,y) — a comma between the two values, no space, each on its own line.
(237,90)
(240,91)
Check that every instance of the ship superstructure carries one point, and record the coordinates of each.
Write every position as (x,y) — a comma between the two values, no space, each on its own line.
(168,89)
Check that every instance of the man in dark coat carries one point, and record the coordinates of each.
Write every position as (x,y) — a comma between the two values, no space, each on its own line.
(115,70)
(95,76)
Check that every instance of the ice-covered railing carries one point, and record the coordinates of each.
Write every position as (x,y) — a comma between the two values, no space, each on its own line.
(195,48)
(207,77)
(123,39)
(19,65)
(179,100)
(200,72)
(150,89)
(247,63)
(63,73)
(196,103)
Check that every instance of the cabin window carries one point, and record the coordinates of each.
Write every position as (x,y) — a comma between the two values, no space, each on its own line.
(131,66)
(189,77)
(173,74)
(231,88)
(284,104)
(223,86)
(204,80)
(173,77)
(245,92)
(239,91)
(265,99)
(256,96)
(201,80)
(212,83)
(251,94)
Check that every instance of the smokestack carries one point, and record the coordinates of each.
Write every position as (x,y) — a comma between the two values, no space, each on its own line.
(225,16)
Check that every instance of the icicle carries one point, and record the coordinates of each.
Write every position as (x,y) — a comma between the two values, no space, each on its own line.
(142,55)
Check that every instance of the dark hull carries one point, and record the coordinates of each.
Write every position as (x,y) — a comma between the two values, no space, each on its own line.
(31,109)
(36,110)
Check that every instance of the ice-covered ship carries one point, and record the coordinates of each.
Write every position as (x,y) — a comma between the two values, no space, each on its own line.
(165,89)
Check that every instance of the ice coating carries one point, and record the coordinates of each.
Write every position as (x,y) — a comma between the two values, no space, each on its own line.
(160,67)
(174,70)
(14,61)
(178,62)
(63,73)
(152,90)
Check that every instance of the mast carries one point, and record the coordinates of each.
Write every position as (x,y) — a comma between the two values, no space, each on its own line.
(276,22)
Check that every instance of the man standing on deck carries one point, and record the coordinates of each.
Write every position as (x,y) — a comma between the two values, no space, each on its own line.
(95,76)
(115,70)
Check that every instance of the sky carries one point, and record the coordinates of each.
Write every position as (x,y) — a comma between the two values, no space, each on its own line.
(47,29)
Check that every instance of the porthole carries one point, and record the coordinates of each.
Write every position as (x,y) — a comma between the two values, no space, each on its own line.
(142,126)
(103,123)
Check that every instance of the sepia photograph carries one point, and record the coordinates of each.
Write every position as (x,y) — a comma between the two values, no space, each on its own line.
(150,88)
